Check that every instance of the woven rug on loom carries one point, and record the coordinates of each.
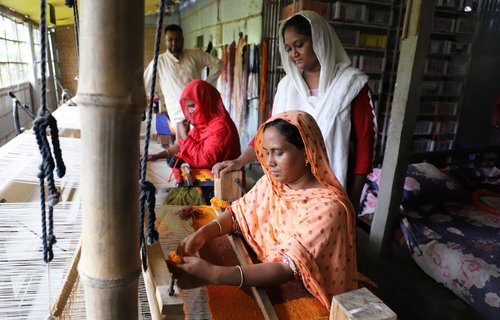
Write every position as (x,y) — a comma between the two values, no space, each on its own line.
(290,300)
(215,299)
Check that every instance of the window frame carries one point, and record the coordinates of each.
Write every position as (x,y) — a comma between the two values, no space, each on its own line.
(15,61)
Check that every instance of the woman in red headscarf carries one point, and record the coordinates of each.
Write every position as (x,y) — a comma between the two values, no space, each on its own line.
(213,136)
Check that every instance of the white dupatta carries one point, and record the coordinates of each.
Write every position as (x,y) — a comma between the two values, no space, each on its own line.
(339,84)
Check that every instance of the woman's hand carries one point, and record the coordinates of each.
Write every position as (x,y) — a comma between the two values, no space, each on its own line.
(194,272)
(226,166)
(191,244)
(233,165)
(160,155)
(152,157)
(183,128)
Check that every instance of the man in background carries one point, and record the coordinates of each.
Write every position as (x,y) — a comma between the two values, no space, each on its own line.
(177,67)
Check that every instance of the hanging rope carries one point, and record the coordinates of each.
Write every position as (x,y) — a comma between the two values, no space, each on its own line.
(147,189)
(45,121)
(74,4)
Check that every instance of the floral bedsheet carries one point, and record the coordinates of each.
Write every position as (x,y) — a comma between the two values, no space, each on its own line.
(458,245)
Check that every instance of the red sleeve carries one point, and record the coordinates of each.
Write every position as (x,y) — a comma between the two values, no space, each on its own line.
(362,132)
(252,143)
(206,152)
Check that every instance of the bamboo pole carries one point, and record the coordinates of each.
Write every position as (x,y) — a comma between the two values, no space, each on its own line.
(110,96)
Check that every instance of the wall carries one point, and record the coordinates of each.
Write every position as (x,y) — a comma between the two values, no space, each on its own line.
(221,21)
(150,34)
(216,20)
(66,52)
(66,47)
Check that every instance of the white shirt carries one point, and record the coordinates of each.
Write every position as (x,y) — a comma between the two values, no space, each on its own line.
(174,74)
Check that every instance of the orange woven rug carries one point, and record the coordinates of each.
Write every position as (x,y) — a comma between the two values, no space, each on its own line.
(291,300)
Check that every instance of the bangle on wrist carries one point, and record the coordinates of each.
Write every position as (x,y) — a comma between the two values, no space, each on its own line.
(220,226)
(242,278)
(168,153)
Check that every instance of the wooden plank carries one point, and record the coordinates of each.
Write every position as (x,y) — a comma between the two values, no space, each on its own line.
(154,309)
(170,306)
(226,186)
(259,295)
(414,45)
(69,283)
(359,304)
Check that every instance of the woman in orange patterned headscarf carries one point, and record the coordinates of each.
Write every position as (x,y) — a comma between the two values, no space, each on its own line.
(297,218)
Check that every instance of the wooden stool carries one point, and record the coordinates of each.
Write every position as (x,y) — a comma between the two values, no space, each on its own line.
(359,304)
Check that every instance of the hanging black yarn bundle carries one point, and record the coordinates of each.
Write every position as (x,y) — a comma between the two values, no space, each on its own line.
(147,188)
(43,122)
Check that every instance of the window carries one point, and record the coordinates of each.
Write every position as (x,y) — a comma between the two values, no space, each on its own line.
(37,49)
(199,42)
(14,52)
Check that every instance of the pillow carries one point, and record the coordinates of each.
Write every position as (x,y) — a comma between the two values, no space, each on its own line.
(373,179)
(470,178)
(369,203)
(368,199)
(426,184)
(373,182)
(474,178)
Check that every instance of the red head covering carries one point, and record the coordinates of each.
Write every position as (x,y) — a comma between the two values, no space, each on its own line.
(208,102)
(214,137)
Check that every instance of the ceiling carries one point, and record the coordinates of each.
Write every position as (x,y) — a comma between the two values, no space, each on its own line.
(64,15)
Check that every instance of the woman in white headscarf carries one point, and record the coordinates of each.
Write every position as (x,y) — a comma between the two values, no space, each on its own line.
(321,81)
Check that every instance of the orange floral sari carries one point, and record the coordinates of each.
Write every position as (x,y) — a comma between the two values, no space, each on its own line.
(315,228)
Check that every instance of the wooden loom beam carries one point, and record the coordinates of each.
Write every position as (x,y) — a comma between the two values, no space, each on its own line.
(149,283)
(68,284)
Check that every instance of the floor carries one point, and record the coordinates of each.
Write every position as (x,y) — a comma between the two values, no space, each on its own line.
(406,289)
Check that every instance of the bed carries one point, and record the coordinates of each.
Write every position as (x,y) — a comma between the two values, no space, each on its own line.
(450,222)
